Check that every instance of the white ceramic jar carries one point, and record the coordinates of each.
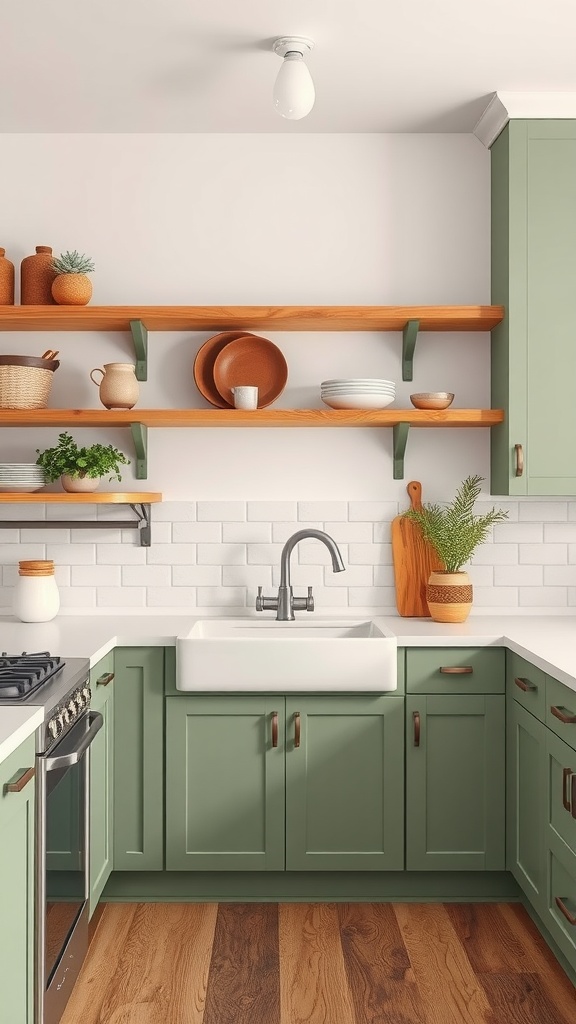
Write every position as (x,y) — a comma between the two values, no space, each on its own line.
(36,598)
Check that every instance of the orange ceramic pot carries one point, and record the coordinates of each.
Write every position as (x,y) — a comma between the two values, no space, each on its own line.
(72,290)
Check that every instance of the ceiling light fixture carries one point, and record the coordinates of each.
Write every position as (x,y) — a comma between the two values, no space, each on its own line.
(294,89)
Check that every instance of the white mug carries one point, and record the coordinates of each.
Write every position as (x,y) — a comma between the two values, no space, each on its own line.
(245,397)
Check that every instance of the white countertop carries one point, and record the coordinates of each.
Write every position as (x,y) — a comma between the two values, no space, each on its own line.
(548,641)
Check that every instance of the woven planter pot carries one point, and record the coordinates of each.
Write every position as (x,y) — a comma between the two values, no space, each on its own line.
(449,596)
(72,290)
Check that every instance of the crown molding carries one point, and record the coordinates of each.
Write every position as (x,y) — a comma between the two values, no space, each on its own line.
(505,106)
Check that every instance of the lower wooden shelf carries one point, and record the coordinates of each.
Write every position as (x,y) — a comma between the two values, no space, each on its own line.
(139,501)
(93,498)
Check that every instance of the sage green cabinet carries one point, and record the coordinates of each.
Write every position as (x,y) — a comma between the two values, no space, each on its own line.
(225,783)
(561,789)
(344,783)
(17,887)
(102,780)
(560,915)
(526,740)
(449,670)
(455,801)
(139,759)
(267,783)
(533,357)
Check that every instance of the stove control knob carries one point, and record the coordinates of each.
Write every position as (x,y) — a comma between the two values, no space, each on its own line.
(65,716)
(78,699)
(54,727)
(72,708)
(86,693)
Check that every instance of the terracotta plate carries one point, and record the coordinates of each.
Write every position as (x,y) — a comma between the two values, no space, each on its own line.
(251,360)
(204,367)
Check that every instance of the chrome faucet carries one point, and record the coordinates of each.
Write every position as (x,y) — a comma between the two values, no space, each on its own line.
(286,604)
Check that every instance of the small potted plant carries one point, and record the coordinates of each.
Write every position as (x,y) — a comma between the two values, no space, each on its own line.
(80,469)
(455,533)
(71,287)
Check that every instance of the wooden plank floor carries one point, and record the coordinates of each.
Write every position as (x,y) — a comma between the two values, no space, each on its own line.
(297,963)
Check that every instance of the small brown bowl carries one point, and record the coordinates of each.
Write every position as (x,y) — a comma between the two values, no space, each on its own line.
(432,400)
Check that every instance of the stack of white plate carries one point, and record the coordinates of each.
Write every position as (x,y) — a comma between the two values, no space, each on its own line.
(358,393)
(24,477)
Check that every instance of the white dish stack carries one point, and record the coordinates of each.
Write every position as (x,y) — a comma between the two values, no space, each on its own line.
(358,393)
(22,477)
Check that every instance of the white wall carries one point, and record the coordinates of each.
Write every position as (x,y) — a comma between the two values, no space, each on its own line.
(265,219)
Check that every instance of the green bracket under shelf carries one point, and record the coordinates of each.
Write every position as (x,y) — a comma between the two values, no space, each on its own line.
(140,339)
(409,336)
(400,437)
(140,439)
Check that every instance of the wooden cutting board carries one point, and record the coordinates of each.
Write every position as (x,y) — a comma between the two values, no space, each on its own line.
(414,560)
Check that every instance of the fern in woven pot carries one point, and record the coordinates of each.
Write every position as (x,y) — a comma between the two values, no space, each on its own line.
(72,287)
(454,532)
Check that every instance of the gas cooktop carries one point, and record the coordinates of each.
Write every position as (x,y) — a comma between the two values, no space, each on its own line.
(23,674)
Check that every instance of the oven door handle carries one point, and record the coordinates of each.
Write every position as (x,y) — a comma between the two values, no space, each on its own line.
(95,723)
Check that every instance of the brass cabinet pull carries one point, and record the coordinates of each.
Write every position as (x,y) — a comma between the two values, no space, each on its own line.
(457,670)
(525,684)
(559,713)
(416,723)
(566,773)
(296,728)
(519,455)
(274,728)
(23,779)
(564,910)
(105,679)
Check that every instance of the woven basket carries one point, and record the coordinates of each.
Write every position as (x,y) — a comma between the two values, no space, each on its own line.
(25,381)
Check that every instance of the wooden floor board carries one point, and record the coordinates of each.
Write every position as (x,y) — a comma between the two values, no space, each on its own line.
(189,963)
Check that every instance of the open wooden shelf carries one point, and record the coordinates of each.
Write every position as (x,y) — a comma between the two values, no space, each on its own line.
(249,418)
(271,318)
(94,498)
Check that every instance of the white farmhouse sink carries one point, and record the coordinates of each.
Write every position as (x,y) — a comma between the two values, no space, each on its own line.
(305,655)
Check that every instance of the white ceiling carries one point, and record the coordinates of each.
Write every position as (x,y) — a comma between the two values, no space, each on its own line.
(192,66)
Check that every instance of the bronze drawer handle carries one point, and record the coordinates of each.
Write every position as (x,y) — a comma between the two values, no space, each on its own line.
(525,684)
(566,773)
(457,670)
(296,728)
(519,455)
(416,723)
(105,679)
(274,728)
(23,779)
(573,795)
(558,712)
(564,910)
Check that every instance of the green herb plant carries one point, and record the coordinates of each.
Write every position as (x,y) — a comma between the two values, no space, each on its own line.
(72,263)
(452,529)
(67,458)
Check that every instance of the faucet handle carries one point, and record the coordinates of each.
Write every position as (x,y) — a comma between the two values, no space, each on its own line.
(309,601)
(259,601)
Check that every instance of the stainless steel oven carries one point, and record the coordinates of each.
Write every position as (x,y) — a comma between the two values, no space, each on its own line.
(63,865)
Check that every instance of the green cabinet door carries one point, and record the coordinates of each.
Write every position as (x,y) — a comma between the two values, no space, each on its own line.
(526,797)
(101,781)
(225,783)
(533,273)
(455,782)
(17,888)
(344,783)
(139,759)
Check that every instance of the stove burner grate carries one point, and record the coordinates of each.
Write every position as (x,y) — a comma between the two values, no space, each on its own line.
(22,674)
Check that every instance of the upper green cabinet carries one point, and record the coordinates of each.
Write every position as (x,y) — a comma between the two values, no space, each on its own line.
(17,885)
(533,275)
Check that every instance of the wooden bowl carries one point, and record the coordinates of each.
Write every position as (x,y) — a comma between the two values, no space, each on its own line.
(432,399)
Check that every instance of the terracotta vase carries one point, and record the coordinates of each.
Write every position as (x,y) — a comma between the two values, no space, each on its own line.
(6,280)
(118,388)
(79,484)
(449,596)
(36,277)
(72,290)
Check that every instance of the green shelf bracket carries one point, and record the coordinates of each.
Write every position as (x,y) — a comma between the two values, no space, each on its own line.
(409,336)
(140,339)
(140,439)
(400,437)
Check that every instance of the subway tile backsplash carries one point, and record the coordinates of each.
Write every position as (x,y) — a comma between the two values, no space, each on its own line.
(214,554)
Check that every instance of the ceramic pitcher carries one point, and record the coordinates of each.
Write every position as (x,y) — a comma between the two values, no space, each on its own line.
(118,387)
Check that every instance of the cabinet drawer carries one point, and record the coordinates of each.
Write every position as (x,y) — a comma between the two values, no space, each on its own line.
(526,684)
(561,915)
(561,710)
(455,670)
(100,673)
(561,789)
